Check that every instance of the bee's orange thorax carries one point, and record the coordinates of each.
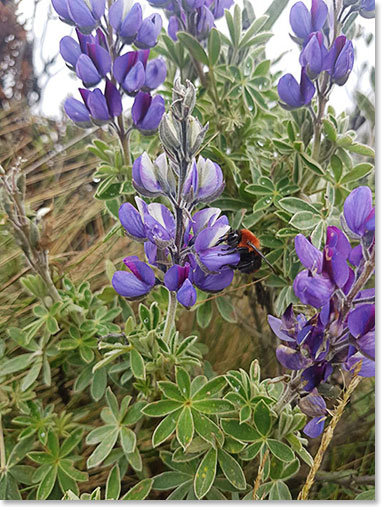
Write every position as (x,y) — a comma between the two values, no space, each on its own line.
(246,238)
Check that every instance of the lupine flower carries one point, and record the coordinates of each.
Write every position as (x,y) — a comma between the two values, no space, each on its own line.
(85,14)
(177,279)
(147,112)
(148,32)
(220,6)
(205,21)
(204,181)
(293,94)
(152,179)
(211,256)
(361,323)
(136,282)
(313,405)
(97,106)
(126,19)
(313,55)
(359,212)
(340,60)
(303,22)
(367,8)
(134,72)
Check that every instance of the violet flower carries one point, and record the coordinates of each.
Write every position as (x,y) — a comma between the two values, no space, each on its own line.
(359,212)
(304,22)
(148,32)
(134,72)
(340,60)
(147,112)
(85,14)
(313,405)
(126,19)
(293,94)
(136,282)
(313,55)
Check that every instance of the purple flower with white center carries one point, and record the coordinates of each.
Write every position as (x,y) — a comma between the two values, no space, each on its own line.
(148,32)
(359,212)
(136,282)
(313,55)
(293,94)
(158,221)
(340,60)
(85,14)
(204,181)
(147,112)
(213,258)
(313,405)
(97,106)
(152,179)
(303,22)
(126,18)
(177,279)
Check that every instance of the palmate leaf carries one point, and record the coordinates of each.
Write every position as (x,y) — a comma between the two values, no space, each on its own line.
(185,428)
(210,389)
(205,474)
(243,432)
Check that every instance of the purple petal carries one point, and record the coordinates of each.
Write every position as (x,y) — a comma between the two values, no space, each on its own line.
(316,374)
(276,326)
(307,88)
(129,284)
(101,58)
(366,344)
(156,71)
(134,79)
(349,284)
(186,295)
(335,266)
(61,7)
(98,8)
(81,15)
(300,20)
(357,207)
(116,13)
(173,27)
(367,368)
(315,427)
(313,290)
(98,106)
(361,320)
(77,112)
(113,99)
(176,276)
(123,64)
(290,358)
(203,218)
(313,405)
(309,255)
(208,237)
(154,114)
(212,283)
(144,176)
(289,91)
(356,255)
(131,24)
(140,107)
(210,180)
(148,32)
(319,13)
(131,221)
(312,56)
(70,50)
(87,71)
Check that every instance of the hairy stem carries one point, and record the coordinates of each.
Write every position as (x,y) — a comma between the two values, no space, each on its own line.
(170,319)
(260,472)
(327,438)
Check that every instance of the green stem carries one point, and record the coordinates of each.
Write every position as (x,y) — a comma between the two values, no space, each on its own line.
(170,319)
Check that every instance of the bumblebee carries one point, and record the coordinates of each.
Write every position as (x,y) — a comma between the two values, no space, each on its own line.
(248,246)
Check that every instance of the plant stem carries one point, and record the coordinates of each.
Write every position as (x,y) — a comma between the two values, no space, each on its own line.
(259,474)
(2,447)
(327,438)
(170,319)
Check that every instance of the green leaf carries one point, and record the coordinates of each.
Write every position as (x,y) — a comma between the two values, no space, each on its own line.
(71,442)
(210,389)
(330,130)
(112,401)
(140,491)
(359,171)
(161,408)
(232,470)
(66,483)
(32,374)
(366,495)
(194,47)
(137,365)
(280,450)
(183,381)
(273,12)
(185,428)
(103,449)
(213,47)
(226,309)
(19,450)
(294,204)
(262,418)
(204,314)
(337,166)
(40,457)
(170,390)
(165,428)
(205,474)
(207,429)
(16,364)
(76,475)
(99,434)
(113,484)
(362,149)
(304,220)
(213,406)
(128,440)
(250,452)
(279,491)
(312,164)
(47,483)
(243,432)
(170,480)
(99,382)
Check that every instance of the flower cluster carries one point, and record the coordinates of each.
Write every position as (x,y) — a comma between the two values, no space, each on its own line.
(179,242)
(342,332)
(96,56)
(196,17)
(319,56)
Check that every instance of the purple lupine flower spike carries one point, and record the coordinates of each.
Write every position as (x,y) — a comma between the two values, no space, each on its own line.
(136,282)
(340,60)
(294,95)
(147,112)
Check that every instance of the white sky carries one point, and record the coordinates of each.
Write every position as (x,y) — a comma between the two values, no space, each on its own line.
(64,82)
